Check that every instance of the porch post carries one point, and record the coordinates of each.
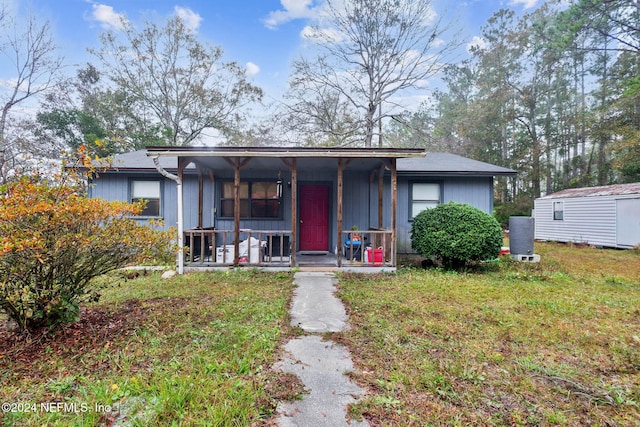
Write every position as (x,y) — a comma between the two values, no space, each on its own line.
(380,196)
(200,197)
(339,239)
(394,210)
(294,210)
(237,165)
(236,212)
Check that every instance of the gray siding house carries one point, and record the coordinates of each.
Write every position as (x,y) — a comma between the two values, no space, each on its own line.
(299,201)
(607,216)
(451,177)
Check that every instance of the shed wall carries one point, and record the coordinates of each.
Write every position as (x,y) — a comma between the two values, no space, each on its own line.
(590,220)
(628,222)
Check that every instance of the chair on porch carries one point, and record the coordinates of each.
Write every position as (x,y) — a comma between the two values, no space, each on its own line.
(353,247)
(197,245)
(278,248)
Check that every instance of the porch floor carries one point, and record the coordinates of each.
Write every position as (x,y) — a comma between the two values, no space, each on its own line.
(305,262)
(316,259)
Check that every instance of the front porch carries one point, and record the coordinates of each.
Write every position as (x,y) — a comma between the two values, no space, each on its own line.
(286,208)
(371,250)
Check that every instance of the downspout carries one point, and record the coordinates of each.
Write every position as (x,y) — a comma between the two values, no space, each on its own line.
(178,182)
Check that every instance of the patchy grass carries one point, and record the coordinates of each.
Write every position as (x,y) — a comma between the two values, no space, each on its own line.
(555,343)
(193,350)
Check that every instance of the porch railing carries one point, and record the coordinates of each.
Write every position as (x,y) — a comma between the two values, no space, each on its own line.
(207,246)
(211,246)
(373,247)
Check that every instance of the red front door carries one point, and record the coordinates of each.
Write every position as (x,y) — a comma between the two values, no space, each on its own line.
(314,217)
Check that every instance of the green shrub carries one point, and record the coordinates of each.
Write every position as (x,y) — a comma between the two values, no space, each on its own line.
(456,233)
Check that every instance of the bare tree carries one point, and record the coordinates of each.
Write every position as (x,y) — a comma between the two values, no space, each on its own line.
(322,118)
(371,51)
(33,56)
(174,81)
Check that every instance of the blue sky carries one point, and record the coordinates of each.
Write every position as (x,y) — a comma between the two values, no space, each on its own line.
(263,35)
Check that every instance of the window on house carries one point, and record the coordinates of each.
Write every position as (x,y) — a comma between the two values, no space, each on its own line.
(558,211)
(148,191)
(257,200)
(424,196)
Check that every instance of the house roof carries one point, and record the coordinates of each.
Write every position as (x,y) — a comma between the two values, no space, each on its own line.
(450,164)
(139,161)
(606,190)
(329,152)
(271,158)
(432,163)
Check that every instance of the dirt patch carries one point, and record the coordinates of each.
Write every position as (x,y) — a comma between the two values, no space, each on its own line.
(96,328)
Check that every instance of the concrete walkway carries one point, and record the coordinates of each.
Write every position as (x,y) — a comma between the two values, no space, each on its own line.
(320,365)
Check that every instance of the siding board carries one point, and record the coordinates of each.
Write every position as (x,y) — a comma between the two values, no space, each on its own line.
(474,191)
(591,220)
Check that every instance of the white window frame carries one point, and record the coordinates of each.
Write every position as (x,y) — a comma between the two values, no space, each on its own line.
(421,200)
(558,214)
(149,190)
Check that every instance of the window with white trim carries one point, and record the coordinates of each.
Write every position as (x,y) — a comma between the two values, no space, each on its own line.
(148,191)
(424,195)
(558,211)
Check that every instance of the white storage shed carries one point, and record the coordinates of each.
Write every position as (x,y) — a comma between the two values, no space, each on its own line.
(607,216)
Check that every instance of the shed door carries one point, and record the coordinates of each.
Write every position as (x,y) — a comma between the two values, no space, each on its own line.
(314,217)
(628,222)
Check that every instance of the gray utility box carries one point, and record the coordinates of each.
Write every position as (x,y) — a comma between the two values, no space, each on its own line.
(521,235)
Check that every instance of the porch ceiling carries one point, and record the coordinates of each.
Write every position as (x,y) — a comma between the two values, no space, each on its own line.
(270,158)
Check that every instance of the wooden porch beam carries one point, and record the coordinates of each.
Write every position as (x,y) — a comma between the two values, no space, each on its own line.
(200,197)
(387,163)
(289,164)
(394,210)
(381,196)
(213,213)
(183,162)
(341,166)
(237,164)
(294,209)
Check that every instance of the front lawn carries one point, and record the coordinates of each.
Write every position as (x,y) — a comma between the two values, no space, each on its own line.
(555,343)
(192,350)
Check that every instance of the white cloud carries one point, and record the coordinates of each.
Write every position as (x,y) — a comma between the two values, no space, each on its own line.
(477,42)
(107,16)
(437,42)
(190,18)
(527,4)
(292,9)
(8,84)
(252,69)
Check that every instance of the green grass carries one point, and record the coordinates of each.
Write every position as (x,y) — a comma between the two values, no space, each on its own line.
(193,350)
(555,343)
